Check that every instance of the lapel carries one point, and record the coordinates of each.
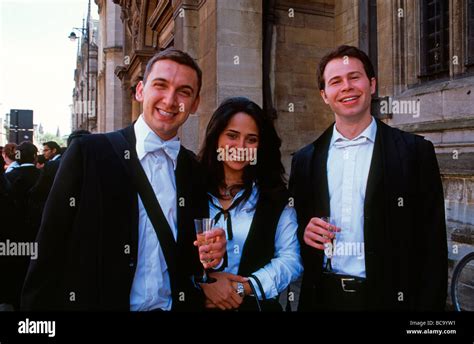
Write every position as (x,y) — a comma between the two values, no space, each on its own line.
(183,192)
(386,165)
(385,181)
(318,174)
(376,169)
(129,134)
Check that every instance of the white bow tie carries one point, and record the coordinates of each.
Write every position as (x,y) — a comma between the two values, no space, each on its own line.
(343,143)
(171,148)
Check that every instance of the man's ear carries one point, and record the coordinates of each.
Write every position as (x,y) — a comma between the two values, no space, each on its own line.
(373,85)
(139,91)
(195,105)
(323,95)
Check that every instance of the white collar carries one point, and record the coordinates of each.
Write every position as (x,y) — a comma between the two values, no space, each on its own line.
(142,130)
(369,132)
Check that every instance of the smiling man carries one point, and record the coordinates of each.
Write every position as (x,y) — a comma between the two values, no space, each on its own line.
(381,189)
(117,232)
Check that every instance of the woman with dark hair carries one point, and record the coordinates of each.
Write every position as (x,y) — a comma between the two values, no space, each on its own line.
(248,198)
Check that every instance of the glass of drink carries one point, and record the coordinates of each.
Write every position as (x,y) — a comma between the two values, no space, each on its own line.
(202,227)
(329,248)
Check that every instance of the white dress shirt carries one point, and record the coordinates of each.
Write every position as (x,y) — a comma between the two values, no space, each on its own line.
(151,287)
(56,157)
(348,167)
(285,267)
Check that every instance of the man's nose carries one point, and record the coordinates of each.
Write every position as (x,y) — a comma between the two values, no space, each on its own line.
(169,99)
(346,84)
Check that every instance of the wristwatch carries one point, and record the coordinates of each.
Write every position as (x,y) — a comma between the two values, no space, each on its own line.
(240,289)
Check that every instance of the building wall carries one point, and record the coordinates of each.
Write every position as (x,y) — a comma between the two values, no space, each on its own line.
(346,19)
(110,102)
(304,32)
(85,78)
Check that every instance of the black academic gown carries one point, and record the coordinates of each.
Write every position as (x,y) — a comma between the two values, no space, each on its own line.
(20,229)
(88,238)
(404,223)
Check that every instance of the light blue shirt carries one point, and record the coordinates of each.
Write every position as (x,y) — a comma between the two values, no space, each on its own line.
(12,166)
(348,167)
(151,286)
(285,267)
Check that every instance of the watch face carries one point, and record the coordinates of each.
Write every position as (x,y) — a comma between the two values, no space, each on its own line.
(240,289)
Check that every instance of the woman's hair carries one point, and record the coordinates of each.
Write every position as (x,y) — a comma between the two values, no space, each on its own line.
(268,171)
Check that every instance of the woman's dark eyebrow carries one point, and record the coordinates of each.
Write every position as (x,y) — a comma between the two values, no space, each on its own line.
(238,132)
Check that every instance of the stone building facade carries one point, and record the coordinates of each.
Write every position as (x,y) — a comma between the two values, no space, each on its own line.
(84,95)
(269,50)
(110,114)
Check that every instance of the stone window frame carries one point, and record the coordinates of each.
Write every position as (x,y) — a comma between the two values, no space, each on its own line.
(407,46)
(431,69)
(470,35)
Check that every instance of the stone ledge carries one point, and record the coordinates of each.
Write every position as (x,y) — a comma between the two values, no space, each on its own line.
(318,9)
(450,166)
(433,126)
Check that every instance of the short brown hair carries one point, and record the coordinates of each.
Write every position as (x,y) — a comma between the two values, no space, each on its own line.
(9,150)
(340,52)
(177,56)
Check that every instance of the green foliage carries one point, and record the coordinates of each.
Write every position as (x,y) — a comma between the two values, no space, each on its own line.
(51,137)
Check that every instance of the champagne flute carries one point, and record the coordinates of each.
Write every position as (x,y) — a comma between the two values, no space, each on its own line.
(202,227)
(329,248)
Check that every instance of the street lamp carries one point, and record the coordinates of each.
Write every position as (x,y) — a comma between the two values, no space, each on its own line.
(85,30)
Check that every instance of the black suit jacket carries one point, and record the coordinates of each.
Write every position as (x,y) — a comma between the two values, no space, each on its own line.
(88,239)
(404,226)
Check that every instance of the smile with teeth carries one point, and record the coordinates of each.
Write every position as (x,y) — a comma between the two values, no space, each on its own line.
(349,99)
(166,113)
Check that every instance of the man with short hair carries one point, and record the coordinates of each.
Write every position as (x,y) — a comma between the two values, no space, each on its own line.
(39,193)
(108,250)
(22,228)
(51,151)
(8,154)
(384,247)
